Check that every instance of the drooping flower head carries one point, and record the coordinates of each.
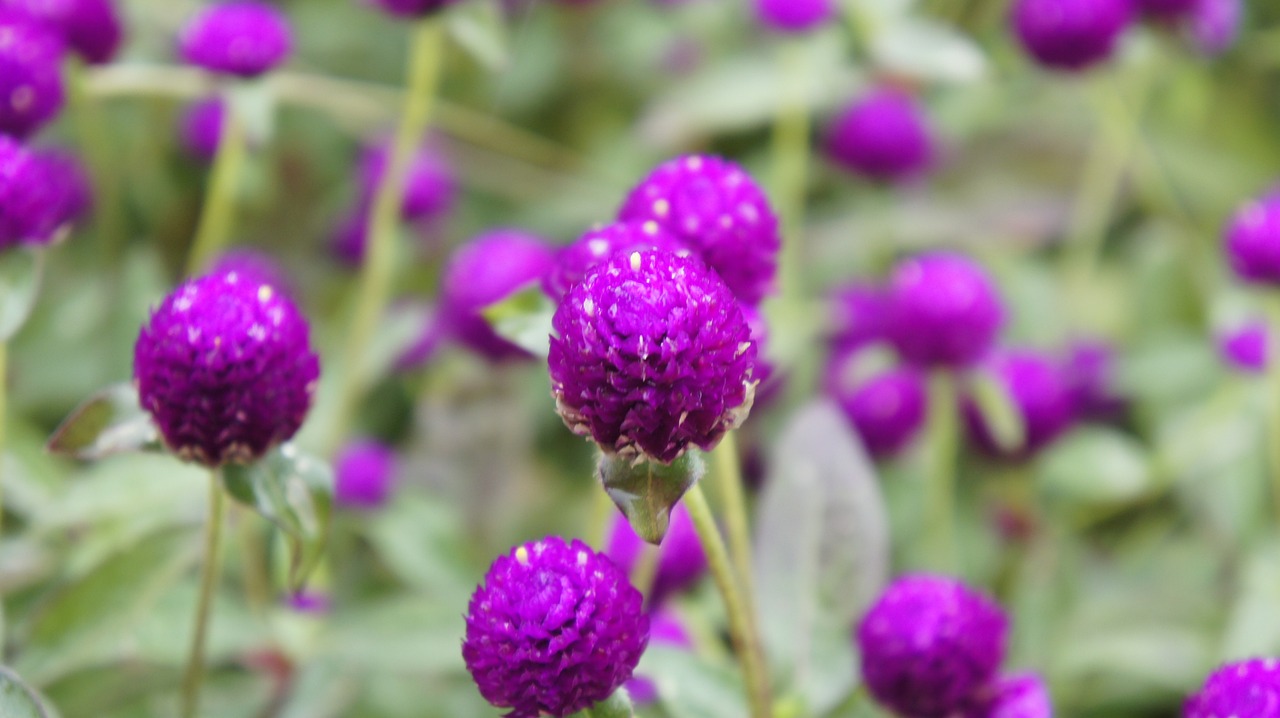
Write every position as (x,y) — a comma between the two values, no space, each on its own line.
(1071,34)
(681,560)
(243,38)
(1244,689)
(1091,371)
(886,408)
(91,28)
(39,194)
(429,189)
(363,474)
(794,16)
(1214,25)
(30,74)
(200,128)
(1245,348)
(412,8)
(717,209)
(651,354)
(225,368)
(601,243)
(1019,695)
(929,644)
(858,315)
(882,135)
(665,629)
(554,628)
(1253,240)
(486,270)
(943,310)
(1041,392)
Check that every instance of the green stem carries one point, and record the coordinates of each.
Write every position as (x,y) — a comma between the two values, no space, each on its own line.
(218,215)
(645,570)
(742,627)
(377,272)
(4,409)
(1273,406)
(728,476)
(602,509)
(790,164)
(95,146)
(943,445)
(253,564)
(194,674)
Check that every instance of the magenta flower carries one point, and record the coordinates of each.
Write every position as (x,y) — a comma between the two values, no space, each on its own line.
(794,16)
(681,560)
(1244,689)
(91,28)
(242,38)
(665,629)
(70,183)
(1166,9)
(601,243)
(1253,240)
(858,315)
(429,191)
(30,75)
(412,8)
(1091,372)
(200,128)
(886,409)
(943,310)
(40,193)
(883,135)
(1020,695)
(554,628)
(1071,34)
(1246,347)
(1214,25)
(255,265)
(1042,394)
(364,473)
(311,603)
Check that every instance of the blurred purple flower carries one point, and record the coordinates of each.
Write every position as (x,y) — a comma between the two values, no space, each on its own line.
(411,8)
(886,409)
(429,190)
(1071,34)
(598,245)
(1244,689)
(1253,240)
(665,629)
(41,192)
(794,16)
(242,38)
(943,310)
(364,473)
(1041,393)
(312,603)
(1214,25)
(858,315)
(30,74)
(200,128)
(256,265)
(1245,348)
(1091,371)
(883,135)
(1165,9)
(681,560)
(91,28)
(1019,695)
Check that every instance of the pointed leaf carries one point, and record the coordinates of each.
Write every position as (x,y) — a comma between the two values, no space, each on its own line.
(20,272)
(109,422)
(17,700)
(524,319)
(1000,415)
(646,490)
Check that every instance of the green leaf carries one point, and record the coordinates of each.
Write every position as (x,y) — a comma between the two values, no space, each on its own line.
(690,687)
(254,105)
(17,700)
(646,491)
(617,705)
(524,319)
(109,422)
(20,272)
(999,413)
(406,635)
(1096,466)
(479,29)
(927,50)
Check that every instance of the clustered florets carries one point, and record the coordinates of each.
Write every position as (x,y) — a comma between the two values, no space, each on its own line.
(1244,689)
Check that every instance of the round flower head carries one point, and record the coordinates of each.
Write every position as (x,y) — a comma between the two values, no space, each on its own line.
(794,15)
(858,313)
(225,368)
(1091,371)
(30,75)
(681,561)
(309,602)
(363,472)
(887,409)
(943,310)
(1042,394)
(254,265)
(423,349)
(600,244)
(1253,240)
(71,185)
(1246,347)
(412,8)
(91,28)
(1020,695)
(714,207)
(1245,689)
(200,128)
(768,384)
(486,270)
(1166,9)
(36,196)
(554,628)
(929,643)
(883,135)
(1214,25)
(1070,34)
(651,354)
(242,38)
(429,188)
(665,629)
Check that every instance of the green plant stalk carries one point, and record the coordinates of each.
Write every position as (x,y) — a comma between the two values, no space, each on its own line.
(602,508)
(4,409)
(376,274)
(645,571)
(95,145)
(742,626)
(728,477)
(790,146)
(943,439)
(1272,438)
(253,561)
(194,674)
(218,214)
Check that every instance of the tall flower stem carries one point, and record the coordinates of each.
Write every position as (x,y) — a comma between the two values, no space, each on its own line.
(1273,406)
(377,272)
(943,439)
(4,409)
(790,147)
(95,144)
(194,674)
(218,214)
(727,470)
(742,626)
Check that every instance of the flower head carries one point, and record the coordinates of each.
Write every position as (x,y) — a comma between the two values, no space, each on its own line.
(72,190)
(929,643)
(30,74)
(1166,9)
(1042,394)
(242,37)
(601,243)
(1091,371)
(226,369)
(883,135)
(1253,240)
(200,128)
(681,560)
(554,628)
(364,471)
(1245,689)
(1214,25)
(40,193)
(887,408)
(1245,347)
(795,16)
(858,314)
(89,27)
(943,310)
(1071,34)
(253,264)
(715,207)
(429,189)
(1020,695)
(651,354)
(412,8)
(313,603)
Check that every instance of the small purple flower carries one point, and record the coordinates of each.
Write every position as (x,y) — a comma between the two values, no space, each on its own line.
(30,75)
(943,310)
(1019,695)
(665,629)
(242,38)
(312,603)
(364,472)
(554,628)
(486,270)
(67,177)
(883,135)
(1214,25)
(601,243)
(257,266)
(429,190)
(1244,689)
(1091,371)
(717,209)
(1246,347)
(681,560)
(1042,394)
(929,644)
(887,409)
(423,349)
(1071,34)
(1166,9)
(89,27)
(858,316)
(411,8)
(225,368)
(347,243)
(1253,240)
(794,16)
(200,128)
(650,354)
(39,195)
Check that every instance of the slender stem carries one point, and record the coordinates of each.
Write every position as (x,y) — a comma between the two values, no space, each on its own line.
(943,442)
(790,165)
(257,584)
(727,469)
(742,627)
(645,571)
(4,409)
(1273,406)
(95,146)
(602,509)
(194,674)
(378,270)
(218,215)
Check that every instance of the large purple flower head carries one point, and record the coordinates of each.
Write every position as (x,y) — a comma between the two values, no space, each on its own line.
(1071,34)
(943,310)
(882,135)
(601,243)
(1166,9)
(429,189)
(242,38)
(1245,689)
(929,643)
(39,194)
(887,409)
(1042,394)
(89,27)
(1253,240)
(1214,25)
(30,74)
(412,8)
(795,16)
(717,209)
(486,270)
(681,560)
(1091,371)
(225,368)
(651,354)
(1245,348)
(858,315)
(665,629)
(200,128)
(554,628)
(1019,695)
(363,474)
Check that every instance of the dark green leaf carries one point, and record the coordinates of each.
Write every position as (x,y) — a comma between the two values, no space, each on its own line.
(20,271)
(524,319)
(999,413)
(109,422)
(17,700)
(647,490)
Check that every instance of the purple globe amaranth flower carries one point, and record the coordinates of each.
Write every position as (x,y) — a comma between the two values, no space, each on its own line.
(242,38)
(486,270)
(768,384)
(681,560)
(1041,392)
(30,74)
(411,8)
(883,135)
(364,471)
(1091,370)
(1071,34)
(1019,695)
(225,368)
(601,243)
(1165,9)
(717,209)
(886,409)
(943,310)
(423,349)
(554,628)
(1253,240)
(70,182)
(665,629)
(1214,25)
(1244,689)
(651,354)
(255,265)
(200,128)
(89,27)
(1245,348)
(39,195)
(929,644)
(795,16)
(430,190)
(858,316)
(313,603)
